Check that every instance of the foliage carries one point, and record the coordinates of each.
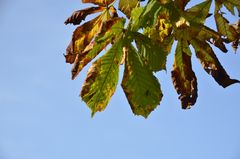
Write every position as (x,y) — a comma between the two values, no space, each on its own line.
(142,45)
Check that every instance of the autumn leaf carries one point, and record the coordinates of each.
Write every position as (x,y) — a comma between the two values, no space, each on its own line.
(183,77)
(142,46)
(109,30)
(211,63)
(78,16)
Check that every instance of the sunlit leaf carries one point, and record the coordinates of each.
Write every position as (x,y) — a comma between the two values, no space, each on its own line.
(102,79)
(84,34)
(211,63)
(183,77)
(140,86)
(143,45)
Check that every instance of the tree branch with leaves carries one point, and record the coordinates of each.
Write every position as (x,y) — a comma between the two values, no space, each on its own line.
(142,40)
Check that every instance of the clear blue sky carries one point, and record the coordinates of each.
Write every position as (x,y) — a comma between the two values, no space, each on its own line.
(42,117)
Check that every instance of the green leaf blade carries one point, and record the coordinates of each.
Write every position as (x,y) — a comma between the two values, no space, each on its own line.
(102,79)
(224,28)
(153,56)
(140,86)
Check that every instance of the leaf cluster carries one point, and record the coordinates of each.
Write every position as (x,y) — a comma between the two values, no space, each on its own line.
(142,41)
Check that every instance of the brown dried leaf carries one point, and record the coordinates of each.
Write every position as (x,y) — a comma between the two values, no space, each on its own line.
(78,16)
(70,56)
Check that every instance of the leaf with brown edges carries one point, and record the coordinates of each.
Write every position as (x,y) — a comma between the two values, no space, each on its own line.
(211,64)
(102,79)
(78,16)
(183,77)
(109,30)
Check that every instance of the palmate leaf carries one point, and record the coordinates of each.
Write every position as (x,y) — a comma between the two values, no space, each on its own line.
(151,53)
(109,30)
(99,2)
(126,6)
(102,79)
(183,77)
(211,64)
(143,45)
(140,86)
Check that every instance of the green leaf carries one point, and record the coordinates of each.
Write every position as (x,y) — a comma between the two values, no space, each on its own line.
(183,77)
(211,64)
(208,34)
(127,6)
(233,2)
(230,7)
(140,86)
(102,79)
(150,52)
(146,16)
(199,12)
(224,28)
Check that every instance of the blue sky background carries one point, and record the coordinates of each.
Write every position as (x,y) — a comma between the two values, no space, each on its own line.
(42,117)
